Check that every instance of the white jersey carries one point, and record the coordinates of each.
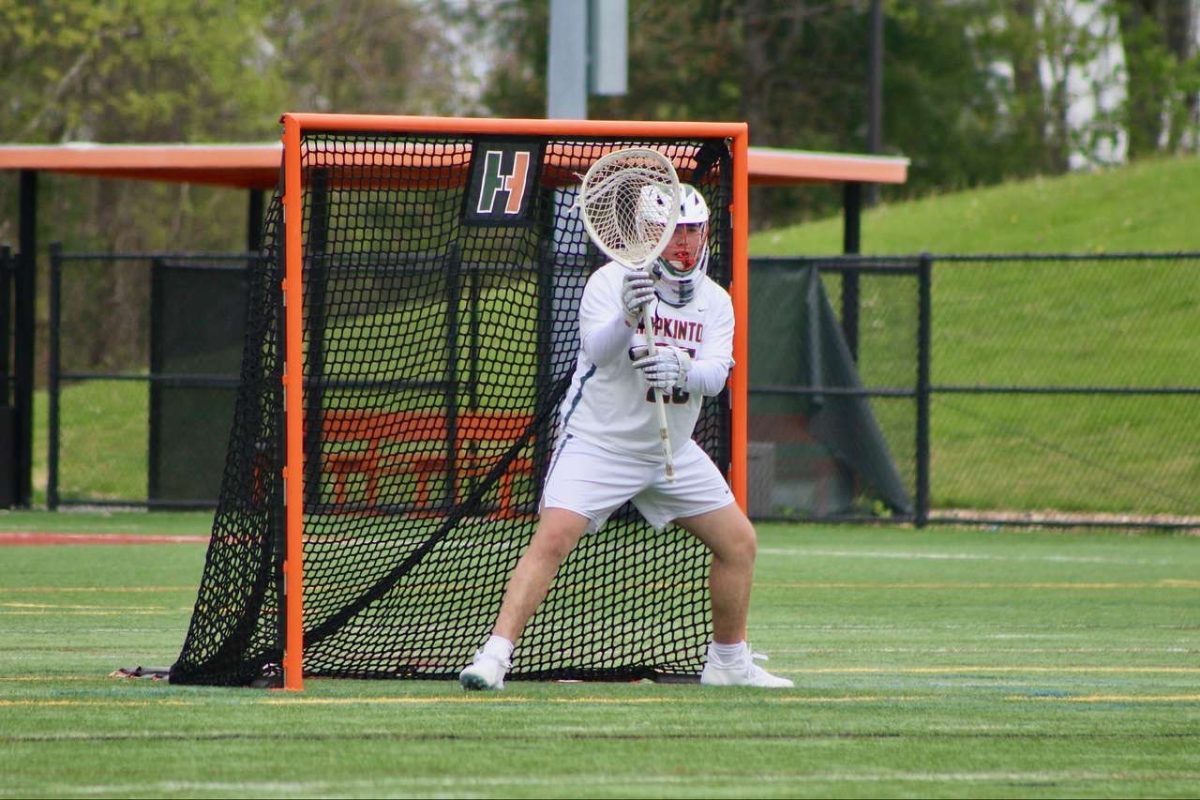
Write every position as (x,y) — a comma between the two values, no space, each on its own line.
(609,404)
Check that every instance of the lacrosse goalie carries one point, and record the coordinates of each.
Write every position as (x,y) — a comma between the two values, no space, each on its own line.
(609,450)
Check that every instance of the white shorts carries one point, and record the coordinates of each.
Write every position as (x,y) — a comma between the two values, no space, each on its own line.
(594,482)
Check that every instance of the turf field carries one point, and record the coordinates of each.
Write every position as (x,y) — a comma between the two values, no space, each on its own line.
(940,663)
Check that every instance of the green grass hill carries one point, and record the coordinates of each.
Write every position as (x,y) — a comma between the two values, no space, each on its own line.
(1124,323)
(1150,205)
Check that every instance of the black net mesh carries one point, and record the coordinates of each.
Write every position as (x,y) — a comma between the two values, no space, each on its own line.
(440,336)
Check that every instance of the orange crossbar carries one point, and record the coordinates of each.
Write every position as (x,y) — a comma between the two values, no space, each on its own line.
(513,127)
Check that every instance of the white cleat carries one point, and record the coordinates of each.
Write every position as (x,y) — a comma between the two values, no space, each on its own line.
(485,672)
(746,673)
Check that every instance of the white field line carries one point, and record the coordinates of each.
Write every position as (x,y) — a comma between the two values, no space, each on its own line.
(73,607)
(984,668)
(700,697)
(439,785)
(492,699)
(92,589)
(141,612)
(908,555)
(48,703)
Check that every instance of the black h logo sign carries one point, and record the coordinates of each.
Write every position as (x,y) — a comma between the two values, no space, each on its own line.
(504,176)
(497,181)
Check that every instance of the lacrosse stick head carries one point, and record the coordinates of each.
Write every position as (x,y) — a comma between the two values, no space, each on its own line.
(629,203)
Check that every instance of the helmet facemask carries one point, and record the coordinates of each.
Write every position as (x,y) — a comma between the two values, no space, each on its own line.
(684,261)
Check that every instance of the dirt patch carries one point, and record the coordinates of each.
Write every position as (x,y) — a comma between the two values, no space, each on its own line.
(23,538)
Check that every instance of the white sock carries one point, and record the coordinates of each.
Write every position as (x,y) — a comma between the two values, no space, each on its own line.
(498,647)
(727,655)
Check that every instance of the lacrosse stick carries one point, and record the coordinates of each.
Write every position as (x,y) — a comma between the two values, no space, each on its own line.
(629,202)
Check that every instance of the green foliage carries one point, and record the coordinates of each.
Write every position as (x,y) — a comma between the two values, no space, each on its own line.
(163,71)
(1163,72)
(77,70)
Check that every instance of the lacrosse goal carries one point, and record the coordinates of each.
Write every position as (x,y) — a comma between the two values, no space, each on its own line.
(411,331)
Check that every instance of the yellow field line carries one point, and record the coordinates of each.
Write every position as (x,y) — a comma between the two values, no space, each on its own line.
(851,699)
(1068,586)
(472,698)
(1109,698)
(491,699)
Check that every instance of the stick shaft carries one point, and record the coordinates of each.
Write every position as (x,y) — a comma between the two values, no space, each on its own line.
(663,433)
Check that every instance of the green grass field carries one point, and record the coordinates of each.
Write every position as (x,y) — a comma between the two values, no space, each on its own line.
(936,663)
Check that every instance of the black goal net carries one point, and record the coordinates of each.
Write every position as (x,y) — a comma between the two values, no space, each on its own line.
(442,275)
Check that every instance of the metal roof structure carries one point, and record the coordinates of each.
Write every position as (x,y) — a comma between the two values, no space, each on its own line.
(256,166)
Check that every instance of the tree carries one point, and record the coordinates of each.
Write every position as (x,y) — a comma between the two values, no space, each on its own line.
(212,71)
(1163,75)
(796,72)
(164,71)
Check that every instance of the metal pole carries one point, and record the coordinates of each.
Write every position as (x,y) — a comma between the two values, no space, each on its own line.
(851,230)
(924,331)
(566,73)
(154,434)
(317,260)
(54,387)
(6,321)
(25,321)
(254,221)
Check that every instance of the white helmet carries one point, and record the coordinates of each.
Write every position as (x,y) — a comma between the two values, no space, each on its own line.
(652,206)
(678,273)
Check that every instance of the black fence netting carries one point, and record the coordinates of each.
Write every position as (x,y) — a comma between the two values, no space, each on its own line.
(1066,389)
(1048,389)
(144,353)
(442,277)
(832,412)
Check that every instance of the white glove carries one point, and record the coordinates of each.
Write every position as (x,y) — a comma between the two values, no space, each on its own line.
(637,291)
(667,368)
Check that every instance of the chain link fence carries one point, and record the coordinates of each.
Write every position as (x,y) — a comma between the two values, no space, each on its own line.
(1052,389)
(1002,389)
(144,355)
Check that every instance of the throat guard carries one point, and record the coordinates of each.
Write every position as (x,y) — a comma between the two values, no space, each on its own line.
(677,288)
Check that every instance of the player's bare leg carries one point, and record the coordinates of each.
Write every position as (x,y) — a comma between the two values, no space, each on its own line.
(558,531)
(734,545)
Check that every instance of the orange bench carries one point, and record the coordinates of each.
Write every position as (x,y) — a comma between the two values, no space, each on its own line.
(376,445)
